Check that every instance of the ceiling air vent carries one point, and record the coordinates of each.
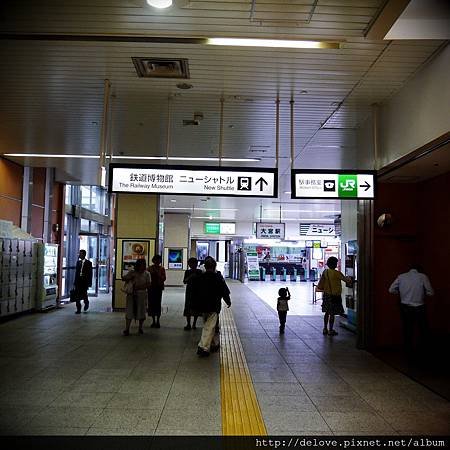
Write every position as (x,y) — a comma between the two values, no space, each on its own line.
(161,67)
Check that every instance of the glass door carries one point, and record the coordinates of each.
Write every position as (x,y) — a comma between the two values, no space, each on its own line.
(90,243)
(103,265)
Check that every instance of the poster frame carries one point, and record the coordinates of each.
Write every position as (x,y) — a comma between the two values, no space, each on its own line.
(135,241)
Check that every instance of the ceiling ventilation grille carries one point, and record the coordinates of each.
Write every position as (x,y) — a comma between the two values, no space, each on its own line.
(161,67)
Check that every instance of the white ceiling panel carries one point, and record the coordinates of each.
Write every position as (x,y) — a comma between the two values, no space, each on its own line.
(52,89)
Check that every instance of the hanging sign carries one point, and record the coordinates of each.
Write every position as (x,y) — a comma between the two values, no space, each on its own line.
(193,180)
(253,266)
(270,230)
(320,230)
(332,184)
(219,228)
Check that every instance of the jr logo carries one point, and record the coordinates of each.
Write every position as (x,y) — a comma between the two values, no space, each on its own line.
(348,186)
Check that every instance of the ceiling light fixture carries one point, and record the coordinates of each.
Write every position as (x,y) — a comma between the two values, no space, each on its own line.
(275,43)
(158,158)
(202,209)
(160,4)
(48,155)
(185,158)
(303,210)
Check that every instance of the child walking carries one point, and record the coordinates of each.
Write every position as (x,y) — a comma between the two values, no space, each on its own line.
(283,307)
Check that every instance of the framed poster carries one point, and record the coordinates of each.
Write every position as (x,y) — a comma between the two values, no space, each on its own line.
(175,258)
(132,250)
(202,250)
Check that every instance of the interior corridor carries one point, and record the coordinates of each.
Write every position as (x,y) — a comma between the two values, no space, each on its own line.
(77,375)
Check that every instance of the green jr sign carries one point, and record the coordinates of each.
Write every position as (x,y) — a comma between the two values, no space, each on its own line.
(348,185)
(212,228)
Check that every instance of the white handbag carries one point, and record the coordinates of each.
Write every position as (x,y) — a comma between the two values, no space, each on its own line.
(128,287)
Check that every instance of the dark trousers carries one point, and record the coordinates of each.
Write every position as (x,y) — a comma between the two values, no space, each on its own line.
(282,316)
(154,301)
(414,321)
(82,295)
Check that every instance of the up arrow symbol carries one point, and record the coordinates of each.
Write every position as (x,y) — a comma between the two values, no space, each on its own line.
(261,181)
(366,185)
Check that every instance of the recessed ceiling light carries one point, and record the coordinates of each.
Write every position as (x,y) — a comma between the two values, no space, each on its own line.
(287,192)
(173,200)
(303,92)
(160,4)
(184,86)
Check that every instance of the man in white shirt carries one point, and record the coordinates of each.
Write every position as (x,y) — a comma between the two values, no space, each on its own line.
(412,287)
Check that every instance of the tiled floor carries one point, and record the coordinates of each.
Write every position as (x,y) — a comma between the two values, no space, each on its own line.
(76,375)
(308,383)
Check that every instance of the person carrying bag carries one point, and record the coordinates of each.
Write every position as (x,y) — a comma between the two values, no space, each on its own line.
(330,285)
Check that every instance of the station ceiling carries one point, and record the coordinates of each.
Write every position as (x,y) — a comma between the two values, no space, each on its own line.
(56,55)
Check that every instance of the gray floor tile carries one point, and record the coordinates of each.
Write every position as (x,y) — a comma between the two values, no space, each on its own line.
(428,422)
(389,401)
(279,389)
(63,416)
(144,400)
(315,390)
(95,431)
(304,421)
(28,398)
(54,431)
(87,385)
(358,422)
(144,420)
(155,385)
(282,404)
(283,376)
(341,403)
(83,399)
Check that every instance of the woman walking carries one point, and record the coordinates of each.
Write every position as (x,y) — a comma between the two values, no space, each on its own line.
(330,285)
(188,279)
(158,277)
(137,283)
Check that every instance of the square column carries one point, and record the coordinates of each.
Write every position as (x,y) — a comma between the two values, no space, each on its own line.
(176,246)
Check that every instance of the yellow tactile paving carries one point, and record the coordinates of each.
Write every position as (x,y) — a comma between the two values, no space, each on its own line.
(241,414)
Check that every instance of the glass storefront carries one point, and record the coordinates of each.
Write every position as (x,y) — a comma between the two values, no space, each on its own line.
(82,230)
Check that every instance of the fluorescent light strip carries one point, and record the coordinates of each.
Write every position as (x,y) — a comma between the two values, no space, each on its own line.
(285,219)
(43,155)
(303,210)
(274,43)
(203,209)
(159,158)
(186,158)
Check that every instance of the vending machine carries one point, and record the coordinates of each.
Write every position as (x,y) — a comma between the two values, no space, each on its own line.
(47,270)
(351,295)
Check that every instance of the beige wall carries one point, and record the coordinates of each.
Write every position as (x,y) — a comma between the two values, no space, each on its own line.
(136,218)
(419,113)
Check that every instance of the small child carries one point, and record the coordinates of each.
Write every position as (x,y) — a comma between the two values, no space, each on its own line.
(282,307)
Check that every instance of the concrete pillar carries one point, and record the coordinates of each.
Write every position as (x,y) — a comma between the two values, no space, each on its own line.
(136,227)
(176,239)
(27,199)
(48,204)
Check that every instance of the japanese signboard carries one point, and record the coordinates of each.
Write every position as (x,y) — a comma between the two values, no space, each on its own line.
(320,230)
(270,230)
(188,180)
(253,266)
(219,228)
(332,184)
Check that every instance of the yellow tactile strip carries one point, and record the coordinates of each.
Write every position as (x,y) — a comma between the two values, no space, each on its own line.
(241,415)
